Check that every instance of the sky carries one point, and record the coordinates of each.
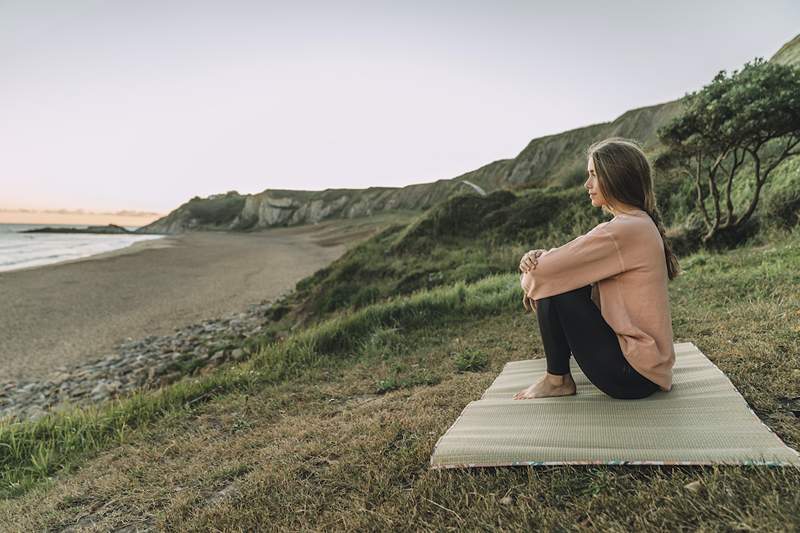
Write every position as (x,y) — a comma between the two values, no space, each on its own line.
(140,105)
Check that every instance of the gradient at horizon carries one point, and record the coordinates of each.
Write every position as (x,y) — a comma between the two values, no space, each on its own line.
(142,105)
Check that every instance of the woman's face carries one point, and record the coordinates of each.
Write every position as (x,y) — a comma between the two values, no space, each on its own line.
(592,187)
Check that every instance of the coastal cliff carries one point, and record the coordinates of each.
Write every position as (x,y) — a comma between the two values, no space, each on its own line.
(283,207)
(553,160)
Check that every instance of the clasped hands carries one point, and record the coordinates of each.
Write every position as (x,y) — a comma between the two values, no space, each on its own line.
(527,263)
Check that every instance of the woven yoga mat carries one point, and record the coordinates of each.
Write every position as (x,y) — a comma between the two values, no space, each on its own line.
(702,420)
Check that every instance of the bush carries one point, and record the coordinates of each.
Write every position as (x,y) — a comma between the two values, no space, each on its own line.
(216,210)
(686,238)
(782,207)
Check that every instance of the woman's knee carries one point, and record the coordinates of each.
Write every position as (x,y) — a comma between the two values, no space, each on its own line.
(580,292)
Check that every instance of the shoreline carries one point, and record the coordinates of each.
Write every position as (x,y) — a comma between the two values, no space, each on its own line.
(131,248)
(80,310)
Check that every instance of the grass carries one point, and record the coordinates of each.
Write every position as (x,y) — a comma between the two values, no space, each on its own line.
(333,427)
(31,451)
(471,360)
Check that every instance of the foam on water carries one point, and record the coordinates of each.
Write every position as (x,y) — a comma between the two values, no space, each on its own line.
(23,250)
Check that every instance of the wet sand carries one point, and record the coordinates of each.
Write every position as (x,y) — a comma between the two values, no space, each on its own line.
(77,311)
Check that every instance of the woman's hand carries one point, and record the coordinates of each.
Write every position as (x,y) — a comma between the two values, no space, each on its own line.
(528,303)
(526,264)
(529,260)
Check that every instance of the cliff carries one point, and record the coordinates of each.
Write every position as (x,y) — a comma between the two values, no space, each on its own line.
(552,160)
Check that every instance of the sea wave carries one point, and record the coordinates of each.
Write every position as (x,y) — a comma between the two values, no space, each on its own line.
(24,250)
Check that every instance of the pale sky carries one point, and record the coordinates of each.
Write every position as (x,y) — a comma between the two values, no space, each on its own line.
(140,104)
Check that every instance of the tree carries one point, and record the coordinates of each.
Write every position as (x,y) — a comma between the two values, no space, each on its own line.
(752,114)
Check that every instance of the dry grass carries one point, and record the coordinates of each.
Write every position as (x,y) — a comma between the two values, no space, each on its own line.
(324,451)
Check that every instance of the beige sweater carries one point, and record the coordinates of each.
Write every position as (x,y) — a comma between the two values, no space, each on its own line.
(624,259)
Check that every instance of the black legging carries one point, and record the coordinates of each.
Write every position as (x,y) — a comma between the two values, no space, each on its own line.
(570,321)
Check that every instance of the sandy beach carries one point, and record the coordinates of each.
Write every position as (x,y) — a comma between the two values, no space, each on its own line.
(78,311)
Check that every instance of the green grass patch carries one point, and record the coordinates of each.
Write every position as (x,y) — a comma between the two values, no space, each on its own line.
(471,360)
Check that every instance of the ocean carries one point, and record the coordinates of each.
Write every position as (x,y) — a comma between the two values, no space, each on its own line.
(23,250)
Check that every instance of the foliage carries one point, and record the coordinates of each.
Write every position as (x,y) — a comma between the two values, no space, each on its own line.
(216,210)
(744,124)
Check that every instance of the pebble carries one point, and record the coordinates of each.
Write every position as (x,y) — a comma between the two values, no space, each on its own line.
(151,362)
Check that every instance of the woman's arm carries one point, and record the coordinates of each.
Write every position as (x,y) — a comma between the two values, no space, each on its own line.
(583,260)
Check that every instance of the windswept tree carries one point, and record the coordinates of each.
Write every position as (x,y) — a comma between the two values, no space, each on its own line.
(751,116)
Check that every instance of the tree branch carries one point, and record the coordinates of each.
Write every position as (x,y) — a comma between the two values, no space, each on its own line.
(700,199)
(712,184)
(753,202)
(736,163)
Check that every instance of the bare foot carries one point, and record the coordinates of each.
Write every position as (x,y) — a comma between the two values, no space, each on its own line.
(549,385)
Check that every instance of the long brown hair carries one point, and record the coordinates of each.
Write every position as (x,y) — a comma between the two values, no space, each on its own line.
(625,175)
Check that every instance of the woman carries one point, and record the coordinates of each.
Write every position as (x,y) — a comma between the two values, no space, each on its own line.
(602,297)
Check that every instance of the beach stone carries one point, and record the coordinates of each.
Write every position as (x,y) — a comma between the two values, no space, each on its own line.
(100,391)
(135,364)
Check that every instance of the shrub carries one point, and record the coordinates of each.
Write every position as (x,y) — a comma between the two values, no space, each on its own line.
(216,210)
(783,206)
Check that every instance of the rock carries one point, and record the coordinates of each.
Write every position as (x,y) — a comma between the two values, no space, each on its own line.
(99,393)
(135,363)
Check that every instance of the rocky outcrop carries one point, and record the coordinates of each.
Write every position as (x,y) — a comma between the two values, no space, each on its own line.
(109,229)
(281,207)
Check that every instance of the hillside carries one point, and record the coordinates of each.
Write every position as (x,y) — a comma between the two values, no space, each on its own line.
(552,160)
(332,427)
(789,53)
(327,417)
